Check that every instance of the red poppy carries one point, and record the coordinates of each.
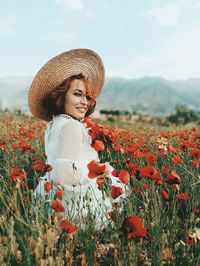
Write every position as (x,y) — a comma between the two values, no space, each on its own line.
(177,160)
(37,167)
(18,173)
(88,121)
(95,169)
(150,158)
(47,168)
(67,227)
(136,190)
(183,196)
(138,154)
(165,169)
(119,148)
(48,186)
(124,177)
(134,227)
(173,178)
(165,195)
(60,194)
(115,172)
(171,149)
(116,192)
(57,206)
(3,147)
(196,162)
(195,153)
(99,145)
(150,172)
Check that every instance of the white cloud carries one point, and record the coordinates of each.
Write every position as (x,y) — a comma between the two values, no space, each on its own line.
(178,58)
(70,4)
(166,15)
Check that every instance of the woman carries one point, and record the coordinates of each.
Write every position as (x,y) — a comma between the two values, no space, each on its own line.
(63,93)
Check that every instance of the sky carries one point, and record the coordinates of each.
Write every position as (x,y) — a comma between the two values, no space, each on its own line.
(135,38)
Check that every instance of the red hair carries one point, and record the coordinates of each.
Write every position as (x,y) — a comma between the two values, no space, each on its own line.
(55,101)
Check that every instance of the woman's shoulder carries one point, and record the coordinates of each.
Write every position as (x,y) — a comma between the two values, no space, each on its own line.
(63,122)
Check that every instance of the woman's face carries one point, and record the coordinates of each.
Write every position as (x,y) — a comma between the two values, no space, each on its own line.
(76,103)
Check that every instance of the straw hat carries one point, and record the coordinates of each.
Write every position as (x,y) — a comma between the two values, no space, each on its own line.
(59,68)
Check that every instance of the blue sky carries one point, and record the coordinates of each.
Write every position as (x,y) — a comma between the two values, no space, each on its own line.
(135,38)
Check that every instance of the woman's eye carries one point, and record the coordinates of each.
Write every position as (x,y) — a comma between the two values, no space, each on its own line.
(77,94)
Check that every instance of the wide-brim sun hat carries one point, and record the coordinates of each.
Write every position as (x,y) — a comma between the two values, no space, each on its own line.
(58,69)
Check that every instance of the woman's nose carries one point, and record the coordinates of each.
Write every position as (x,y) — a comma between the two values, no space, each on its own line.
(84,99)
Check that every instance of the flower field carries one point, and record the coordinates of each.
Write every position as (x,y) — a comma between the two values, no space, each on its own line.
(154,221)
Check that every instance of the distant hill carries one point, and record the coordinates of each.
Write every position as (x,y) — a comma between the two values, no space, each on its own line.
(155,96)
(152,95)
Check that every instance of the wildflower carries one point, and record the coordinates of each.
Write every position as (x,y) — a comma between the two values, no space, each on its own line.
(183,196)
(177,160)
(124,177)
(115,172)
(116,192)
(18,173)
(47,168)
(88,122)
(99,145)
(119,148)
(60,194)
(67,227)
(151,158)
(134,227)
(95,169)
(150,172)
(48,186)
(195,153)
(165,195)
(173,178)
(165,169)
(57,206)
(171,149)
(3,146)
(196,162)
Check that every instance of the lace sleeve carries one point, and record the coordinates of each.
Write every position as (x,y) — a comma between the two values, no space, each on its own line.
(65,169)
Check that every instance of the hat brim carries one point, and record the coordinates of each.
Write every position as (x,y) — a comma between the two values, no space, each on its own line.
(58,69)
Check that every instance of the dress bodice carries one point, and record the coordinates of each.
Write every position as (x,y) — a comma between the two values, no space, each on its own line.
(53,132)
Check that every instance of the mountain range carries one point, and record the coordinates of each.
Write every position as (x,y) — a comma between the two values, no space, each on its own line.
(150,95)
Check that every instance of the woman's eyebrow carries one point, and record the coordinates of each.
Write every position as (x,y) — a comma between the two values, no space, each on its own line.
(78,90)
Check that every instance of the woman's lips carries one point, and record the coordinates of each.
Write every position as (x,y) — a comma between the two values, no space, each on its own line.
(83,110)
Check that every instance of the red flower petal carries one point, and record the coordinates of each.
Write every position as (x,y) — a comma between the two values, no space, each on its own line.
(67,227)
(124,177)
(95,169)
(134,227)
(116,192)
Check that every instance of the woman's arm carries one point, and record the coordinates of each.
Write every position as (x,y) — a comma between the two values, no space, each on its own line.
(65,170)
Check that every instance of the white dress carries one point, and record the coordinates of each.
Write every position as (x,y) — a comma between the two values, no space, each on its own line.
(68,149)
